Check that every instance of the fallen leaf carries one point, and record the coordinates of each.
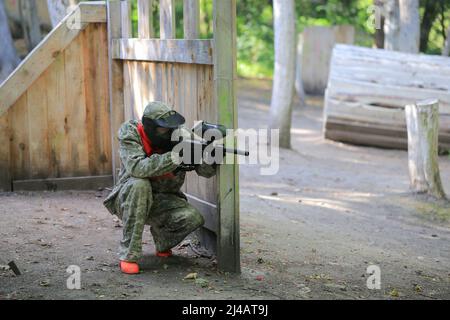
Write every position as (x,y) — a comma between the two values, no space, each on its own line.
(44,283)
(191,276)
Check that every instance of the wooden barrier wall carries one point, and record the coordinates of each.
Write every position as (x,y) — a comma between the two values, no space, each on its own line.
(368,90)
(57,124)
(196,77)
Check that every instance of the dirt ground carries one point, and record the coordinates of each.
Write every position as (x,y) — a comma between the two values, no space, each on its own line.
(308,232)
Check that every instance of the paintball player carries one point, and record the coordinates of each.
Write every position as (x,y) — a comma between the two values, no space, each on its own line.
(148,188)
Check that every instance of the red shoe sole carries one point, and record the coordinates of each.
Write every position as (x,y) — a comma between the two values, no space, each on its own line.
(165,254)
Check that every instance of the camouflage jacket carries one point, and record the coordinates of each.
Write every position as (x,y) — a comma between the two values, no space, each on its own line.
(135,163)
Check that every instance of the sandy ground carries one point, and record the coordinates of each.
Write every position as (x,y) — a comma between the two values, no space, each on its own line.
(308,232)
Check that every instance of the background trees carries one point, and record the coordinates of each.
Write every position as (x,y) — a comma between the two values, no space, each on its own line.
(8,59)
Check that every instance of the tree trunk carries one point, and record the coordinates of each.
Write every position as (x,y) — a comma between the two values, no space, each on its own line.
(58,9)
(391,24)
(298,74)
(379,32)
(446,49)
(429,16)
(422,121)
(409,39)
(284,73)
(30,23)
(8,59)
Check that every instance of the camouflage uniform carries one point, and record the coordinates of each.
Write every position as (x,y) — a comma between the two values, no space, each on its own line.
(139,200)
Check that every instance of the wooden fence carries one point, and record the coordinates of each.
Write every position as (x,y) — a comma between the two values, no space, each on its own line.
(54,111)
(197,78)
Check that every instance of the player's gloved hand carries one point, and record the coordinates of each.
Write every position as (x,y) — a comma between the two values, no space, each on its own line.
(185,168)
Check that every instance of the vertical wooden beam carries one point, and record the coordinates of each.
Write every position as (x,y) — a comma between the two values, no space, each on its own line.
(115,81)
(125,19)
(167,19)
(5,153)
(228,243)
(145,19)
(191,18)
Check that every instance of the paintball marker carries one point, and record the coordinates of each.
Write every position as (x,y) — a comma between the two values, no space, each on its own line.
(197,148)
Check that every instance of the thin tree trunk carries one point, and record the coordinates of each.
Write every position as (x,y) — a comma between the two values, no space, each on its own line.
(284,73)
(58,9)
(9,58)
(409,39)
(379,32)
(30,23)
(446,49)
(391,25)
(423,130)
(431,11)
(298,73)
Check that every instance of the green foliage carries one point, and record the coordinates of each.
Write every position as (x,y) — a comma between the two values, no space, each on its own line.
(255,42)
(255,38)
(256,35)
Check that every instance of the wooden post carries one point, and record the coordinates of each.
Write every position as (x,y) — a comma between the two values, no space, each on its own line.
(116,99)
(228,242)
(145,19)
(167,19)
(5,153)
(125,19)
(191,16)
(422,121)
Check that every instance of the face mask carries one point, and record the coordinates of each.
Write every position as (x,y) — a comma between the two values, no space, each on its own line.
(159,140)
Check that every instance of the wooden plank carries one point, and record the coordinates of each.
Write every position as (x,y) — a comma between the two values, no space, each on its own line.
(125,16)
(76,113)
(5,153)
(190,95)
(206,111)
(101,100)
(228,248)
(167,27)
(316,47)
(128,96)
(60,165)
(38,128)
(365,113)
(419,62)
(383,95)
(20,153)
(116,85)
(191,19)
(93,12)
(179,51)
(44,54)
(372,134)
(208,211)
(96,92)
(73,183)
(145,19)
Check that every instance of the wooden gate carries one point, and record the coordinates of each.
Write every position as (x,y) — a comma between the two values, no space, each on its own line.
(197,78)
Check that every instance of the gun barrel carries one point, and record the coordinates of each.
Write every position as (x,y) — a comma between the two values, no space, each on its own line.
(219,146)
(235,151)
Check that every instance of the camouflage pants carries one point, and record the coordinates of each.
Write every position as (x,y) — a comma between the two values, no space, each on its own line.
(171,218)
